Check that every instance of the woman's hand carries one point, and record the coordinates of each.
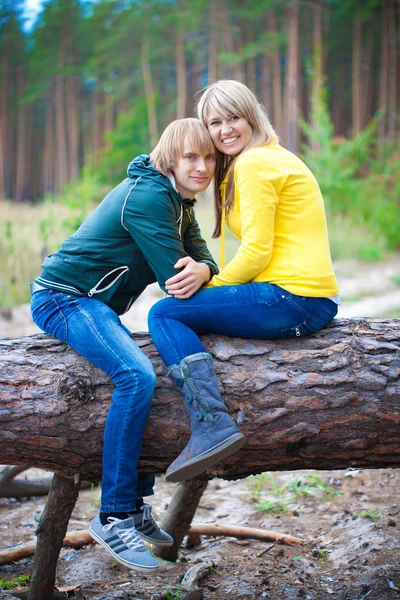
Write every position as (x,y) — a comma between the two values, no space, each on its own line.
(189,280)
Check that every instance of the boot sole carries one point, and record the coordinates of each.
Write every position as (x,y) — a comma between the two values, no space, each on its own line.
(199,464)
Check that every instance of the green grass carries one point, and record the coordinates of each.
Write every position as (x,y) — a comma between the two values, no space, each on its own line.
(393,313)
(27,234)
(12,584)
(368,513)
(349,240)
(279,499)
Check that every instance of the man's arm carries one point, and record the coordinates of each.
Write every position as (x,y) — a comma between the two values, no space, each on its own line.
(152,222)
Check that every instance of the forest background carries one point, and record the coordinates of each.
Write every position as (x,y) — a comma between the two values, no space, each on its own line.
(93,83)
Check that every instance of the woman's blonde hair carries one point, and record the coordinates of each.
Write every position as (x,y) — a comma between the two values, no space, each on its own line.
(169,149)
(229,97)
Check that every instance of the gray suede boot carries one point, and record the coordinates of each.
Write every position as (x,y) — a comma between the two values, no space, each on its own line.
(214,434)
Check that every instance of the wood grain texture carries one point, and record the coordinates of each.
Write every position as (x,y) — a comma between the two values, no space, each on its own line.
(327,401)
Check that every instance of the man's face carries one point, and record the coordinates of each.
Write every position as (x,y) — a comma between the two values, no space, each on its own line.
(194,171)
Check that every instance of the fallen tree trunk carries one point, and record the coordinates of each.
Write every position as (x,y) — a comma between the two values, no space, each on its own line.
(326,401)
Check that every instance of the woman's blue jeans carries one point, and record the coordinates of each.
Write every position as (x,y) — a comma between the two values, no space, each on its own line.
(251,310)
(96,332)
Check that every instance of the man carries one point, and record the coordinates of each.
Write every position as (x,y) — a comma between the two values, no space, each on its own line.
(142,232)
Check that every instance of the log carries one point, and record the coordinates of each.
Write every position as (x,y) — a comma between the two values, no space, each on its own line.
(327,401)
(50,535)
(181,510)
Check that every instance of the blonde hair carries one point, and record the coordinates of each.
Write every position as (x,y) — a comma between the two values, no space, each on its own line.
(169,149)
(229,97)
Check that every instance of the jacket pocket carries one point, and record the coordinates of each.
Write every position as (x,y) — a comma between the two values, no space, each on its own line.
(108,280)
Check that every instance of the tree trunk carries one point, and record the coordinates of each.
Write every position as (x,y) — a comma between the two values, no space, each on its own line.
(316,88)
(180,513)
(181,86)
(21,170)
(276,112)
(50,535)
(383,74)
(292,79)
(367,72)
(149,92)
(61,135)
(356,96)
(48,160)
(392,71)
(212,51)
(326,401)
(73,128)
(235,70)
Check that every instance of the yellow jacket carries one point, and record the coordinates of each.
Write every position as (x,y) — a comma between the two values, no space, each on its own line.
(278,214)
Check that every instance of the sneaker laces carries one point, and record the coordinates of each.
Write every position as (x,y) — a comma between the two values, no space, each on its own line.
(129,536)
(147,516)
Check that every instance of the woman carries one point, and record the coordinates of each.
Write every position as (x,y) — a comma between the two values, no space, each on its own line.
(137,234)
(281,282)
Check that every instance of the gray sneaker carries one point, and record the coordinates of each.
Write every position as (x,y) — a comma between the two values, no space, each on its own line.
(122,541)
(148,529)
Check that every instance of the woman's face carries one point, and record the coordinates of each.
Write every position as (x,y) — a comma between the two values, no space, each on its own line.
(230,135)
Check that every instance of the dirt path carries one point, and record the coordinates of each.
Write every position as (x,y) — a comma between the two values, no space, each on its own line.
(349,520)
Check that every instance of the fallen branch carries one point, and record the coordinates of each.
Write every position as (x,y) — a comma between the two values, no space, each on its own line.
(243,533)
(77,539)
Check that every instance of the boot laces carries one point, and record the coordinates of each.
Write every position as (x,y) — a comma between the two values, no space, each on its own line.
(129,536)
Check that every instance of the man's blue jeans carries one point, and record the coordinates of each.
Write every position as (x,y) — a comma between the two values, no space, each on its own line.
(96,332)
(251,310)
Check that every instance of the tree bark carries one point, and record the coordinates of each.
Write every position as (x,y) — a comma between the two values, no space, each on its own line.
(384,73)
(276,112)
(180,513)
(181,84)
(356,95)
(327,401)
(292,78)
(21,170)
(50,535)
(212,48)
(149,92)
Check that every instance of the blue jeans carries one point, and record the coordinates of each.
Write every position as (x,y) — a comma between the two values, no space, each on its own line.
(250,310)
(95,331)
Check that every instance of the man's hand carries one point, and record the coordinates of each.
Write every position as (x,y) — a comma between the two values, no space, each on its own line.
(189,280)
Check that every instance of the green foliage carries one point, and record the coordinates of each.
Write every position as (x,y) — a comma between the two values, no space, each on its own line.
(170,594)
(320,553)
(359,189)
(27,234)
(368,513)
(127,140)
(15,582)
(281,499)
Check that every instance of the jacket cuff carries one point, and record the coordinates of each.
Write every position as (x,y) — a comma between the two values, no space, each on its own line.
(213,268)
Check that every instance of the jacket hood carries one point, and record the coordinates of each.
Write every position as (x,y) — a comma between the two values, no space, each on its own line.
(141,166)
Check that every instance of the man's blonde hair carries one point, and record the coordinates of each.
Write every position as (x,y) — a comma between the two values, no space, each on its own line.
(169,149)
(229,97)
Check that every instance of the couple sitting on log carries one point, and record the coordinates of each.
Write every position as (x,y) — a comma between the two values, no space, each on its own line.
(279,284)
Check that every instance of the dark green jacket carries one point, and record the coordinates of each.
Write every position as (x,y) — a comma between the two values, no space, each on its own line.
(133,238)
